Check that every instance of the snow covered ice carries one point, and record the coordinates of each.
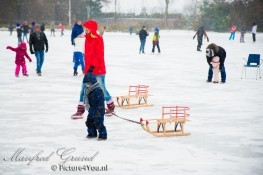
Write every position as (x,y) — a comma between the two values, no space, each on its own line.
(226,119)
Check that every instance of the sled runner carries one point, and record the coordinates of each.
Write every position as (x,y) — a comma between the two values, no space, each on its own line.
(137,97)
(171,124)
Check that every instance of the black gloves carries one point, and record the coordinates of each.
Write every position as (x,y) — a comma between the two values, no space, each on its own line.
(91,68)
(194,37)
(207,39)
(46,50)
(31,51)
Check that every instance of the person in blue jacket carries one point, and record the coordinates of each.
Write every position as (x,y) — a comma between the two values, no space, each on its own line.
(76,31)
(94,100)
(143,34)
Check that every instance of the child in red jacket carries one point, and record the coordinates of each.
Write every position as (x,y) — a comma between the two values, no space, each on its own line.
(20,58)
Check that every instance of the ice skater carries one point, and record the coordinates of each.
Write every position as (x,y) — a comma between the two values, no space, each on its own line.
(254,31)
(143,34)
(52,28)
(200,33)
(78,53)
(20,58)
(232,32)
(62,28)
(95,64)
(19,33)
(25,29)
(95,100)
(38,42)
(156,37)
(212,51)
(242,34)
(11,28)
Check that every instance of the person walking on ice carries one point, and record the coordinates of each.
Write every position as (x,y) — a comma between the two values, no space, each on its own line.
(95,64)
(38,42)
(200,33)
(79,43)
(156,37)
(95,101)
(232,32)
(143,34)
(20,58)
(254,31)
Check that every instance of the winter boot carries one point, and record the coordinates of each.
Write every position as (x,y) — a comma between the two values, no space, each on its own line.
(25,75)
(75,72)
(79,113)
(100,138)
(110,109)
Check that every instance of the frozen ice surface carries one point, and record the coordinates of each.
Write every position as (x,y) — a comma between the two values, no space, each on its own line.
(226,119)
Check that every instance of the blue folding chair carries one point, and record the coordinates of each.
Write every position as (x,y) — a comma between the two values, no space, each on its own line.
(253,61)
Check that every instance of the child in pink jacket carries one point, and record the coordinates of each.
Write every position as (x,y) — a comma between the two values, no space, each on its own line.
(20,58)
(215,64)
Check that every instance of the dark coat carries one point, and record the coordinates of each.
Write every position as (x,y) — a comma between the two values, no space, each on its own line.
(143,34)
(25,28)
(221,54)
(42,27)
(38,41)
(19,32)
(76,30)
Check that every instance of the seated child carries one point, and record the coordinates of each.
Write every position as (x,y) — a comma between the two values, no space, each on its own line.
(95,100)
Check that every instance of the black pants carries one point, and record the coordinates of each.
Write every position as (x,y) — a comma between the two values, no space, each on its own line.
(200,42)
(254,37)
(158,47)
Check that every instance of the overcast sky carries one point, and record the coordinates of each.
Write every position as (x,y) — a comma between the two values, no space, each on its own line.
(127,6)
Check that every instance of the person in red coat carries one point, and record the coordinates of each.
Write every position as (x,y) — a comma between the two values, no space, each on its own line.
(20,58)
(95,64)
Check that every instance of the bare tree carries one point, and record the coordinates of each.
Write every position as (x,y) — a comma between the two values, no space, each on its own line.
(167,3)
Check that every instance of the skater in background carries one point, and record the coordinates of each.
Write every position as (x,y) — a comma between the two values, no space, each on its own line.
(38,42)
(32,28)
(11,28)
(142,35)
(77,30)
(212,51)
(156,37)
(242,34)
(52,28)
(20,58)
(94,98)
(254,31)
(42,27)
(19,33)
(25,29)
(232,32)
(78,53)
(62,28)
(95,64)
(130,30)
(200,33)
(102,30)
(215,68)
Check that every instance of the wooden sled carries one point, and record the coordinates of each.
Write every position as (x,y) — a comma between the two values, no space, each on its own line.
(171,124)
(137,97)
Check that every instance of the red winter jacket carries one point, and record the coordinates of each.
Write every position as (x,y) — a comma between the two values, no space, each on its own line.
(94,49)
(20,53)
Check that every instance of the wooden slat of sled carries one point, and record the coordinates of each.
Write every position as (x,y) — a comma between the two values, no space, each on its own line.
(135,106)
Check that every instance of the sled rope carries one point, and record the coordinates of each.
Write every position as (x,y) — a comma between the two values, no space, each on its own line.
(132,121)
